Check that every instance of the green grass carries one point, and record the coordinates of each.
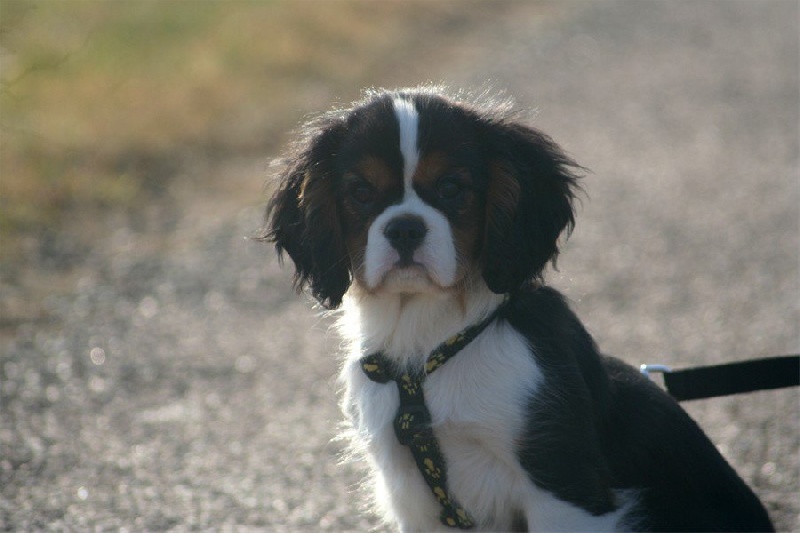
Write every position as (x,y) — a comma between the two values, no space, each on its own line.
(99,98)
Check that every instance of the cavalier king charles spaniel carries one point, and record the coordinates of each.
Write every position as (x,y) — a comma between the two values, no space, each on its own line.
(475,394)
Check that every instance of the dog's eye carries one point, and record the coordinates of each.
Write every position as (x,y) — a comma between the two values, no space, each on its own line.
(449,188)
(362,193)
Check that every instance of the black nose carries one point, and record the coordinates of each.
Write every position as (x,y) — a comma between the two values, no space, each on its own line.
(405,234)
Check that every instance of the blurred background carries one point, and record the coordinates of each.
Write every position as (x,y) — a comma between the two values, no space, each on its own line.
(157,372)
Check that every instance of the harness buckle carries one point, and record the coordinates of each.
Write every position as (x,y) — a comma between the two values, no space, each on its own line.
(413,424)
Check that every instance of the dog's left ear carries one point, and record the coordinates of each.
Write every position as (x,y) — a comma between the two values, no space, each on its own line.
(302,218)
(532,186)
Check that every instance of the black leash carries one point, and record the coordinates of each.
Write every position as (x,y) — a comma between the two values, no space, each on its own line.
(412,425)
(730,378)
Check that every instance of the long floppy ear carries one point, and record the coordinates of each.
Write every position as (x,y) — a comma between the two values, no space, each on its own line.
(532,185)
(302,218)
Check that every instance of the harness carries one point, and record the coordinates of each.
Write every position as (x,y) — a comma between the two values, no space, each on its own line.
(412,424)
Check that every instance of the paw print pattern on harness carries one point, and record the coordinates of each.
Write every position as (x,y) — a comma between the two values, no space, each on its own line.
(412,424)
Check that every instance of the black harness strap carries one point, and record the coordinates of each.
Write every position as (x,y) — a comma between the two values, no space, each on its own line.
(412,425)
(733,378)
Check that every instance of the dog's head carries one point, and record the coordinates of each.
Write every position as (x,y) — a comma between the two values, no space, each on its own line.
(412,192)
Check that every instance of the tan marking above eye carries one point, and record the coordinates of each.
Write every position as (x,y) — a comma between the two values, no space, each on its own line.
(430,168)
(376,171)
(436,167)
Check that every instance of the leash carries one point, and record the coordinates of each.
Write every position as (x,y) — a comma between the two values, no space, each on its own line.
(412,424)
(729,378)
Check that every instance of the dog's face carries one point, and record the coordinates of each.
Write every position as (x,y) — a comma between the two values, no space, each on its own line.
(409,192)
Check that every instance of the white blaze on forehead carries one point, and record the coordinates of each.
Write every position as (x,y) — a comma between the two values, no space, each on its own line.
(436,255)
(408,120)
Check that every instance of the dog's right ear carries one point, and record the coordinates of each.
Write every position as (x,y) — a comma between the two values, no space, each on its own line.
(302,217)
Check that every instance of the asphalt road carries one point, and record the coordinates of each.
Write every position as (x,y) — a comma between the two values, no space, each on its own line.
(180,384)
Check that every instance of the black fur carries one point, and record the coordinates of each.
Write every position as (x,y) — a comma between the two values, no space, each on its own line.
(521,243)
(303,228)
(600,425)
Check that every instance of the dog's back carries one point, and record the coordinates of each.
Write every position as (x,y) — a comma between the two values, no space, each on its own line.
(644,441)
(652,442)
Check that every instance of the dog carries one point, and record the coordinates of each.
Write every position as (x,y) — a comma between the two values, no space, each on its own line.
(428,220)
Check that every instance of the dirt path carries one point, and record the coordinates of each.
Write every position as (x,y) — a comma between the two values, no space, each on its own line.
(183,385)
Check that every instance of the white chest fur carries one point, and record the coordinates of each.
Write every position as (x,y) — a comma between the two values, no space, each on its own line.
(479,407)
(477,402)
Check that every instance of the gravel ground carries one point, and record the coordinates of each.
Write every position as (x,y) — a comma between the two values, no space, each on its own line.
(180,384)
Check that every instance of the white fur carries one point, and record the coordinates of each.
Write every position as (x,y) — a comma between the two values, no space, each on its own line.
(408,121)
(436,256)
(477,402)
